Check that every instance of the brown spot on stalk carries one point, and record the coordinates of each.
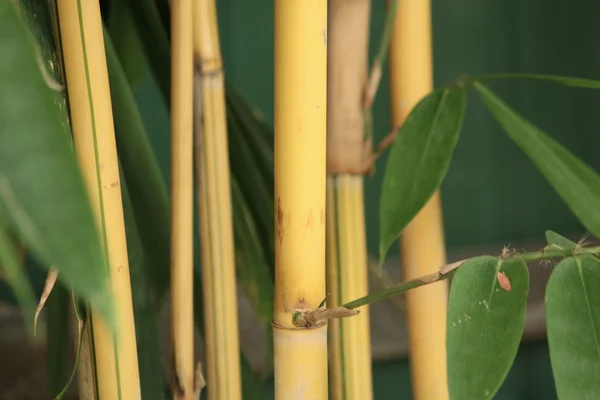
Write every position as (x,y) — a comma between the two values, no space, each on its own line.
(322,217)
(279,219)
(301,304)
(310,220)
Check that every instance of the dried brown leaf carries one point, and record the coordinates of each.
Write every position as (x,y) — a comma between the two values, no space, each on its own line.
(48,286)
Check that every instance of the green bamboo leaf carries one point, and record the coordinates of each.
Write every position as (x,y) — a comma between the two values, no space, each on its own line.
(418,160)
(260,134)
(152,373)
(155,40)
(253,271)
(573,323)
(128,47)
(562,80)
(58,332)
(576,183)
(255,185)
(558,241)
(14,273)
(485,324)
(42,195)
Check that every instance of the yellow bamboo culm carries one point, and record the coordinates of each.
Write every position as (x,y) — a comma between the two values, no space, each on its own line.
(222,347)
(348,151)
(182,199)
(300,354)
(116,361)
(422,242)
(347,273)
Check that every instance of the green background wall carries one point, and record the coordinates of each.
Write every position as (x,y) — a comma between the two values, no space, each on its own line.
(492,193)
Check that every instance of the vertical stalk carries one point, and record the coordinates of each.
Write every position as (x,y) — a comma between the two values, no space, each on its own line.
(422,241)
(215,212)
(300,354)
(116,362)
(349,338)
(182,199)
(348,151)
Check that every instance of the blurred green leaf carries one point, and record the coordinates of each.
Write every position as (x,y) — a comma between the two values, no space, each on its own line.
(253,270)
(14,273)
(152,372)
(558,241)
(576,183)
(42,195)
(255,183)
(58,333)
(573,323)
(418,160)
(128,47)
(155,40)
(485,324)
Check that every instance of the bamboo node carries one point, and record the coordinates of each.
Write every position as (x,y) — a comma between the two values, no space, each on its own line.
(320,315)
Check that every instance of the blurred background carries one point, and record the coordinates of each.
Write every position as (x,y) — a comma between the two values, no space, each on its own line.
(492,196)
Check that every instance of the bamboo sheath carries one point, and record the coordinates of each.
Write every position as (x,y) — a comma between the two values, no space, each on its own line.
(300,354)
(422,241)
(348,43)
(116,363)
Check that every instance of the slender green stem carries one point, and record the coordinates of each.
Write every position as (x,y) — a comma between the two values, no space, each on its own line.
(544,254)
(396,289)
(384,42)
(372,85)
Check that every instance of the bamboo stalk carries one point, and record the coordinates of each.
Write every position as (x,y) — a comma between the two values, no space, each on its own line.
(349,338)
(182,195)
(348,154)
(215,212)
(116,362)
(300,354)
(422,241)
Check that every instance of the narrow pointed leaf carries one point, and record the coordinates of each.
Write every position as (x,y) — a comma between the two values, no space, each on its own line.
(418,160)
(558,241)
(128,47)
(253,271)
(485,324)
(58,333)
(42,195)
(150,363)
(575,182)
(573,323)
(48,286)
(562,80)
